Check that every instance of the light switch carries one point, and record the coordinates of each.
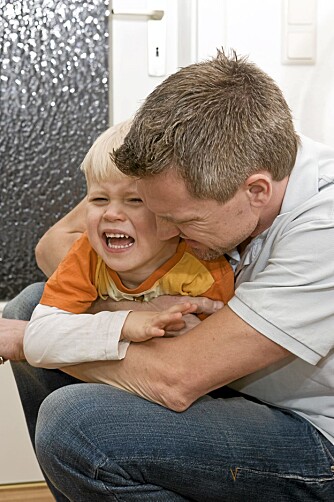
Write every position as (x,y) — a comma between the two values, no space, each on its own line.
(300,46)
(299,31)
(301,11)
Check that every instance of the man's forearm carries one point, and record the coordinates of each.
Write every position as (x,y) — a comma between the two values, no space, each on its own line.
(56,242)
(130,375)
(58,245)
(174,372)
(11,339)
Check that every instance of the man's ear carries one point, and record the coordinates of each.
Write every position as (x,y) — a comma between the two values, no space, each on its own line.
(259,189)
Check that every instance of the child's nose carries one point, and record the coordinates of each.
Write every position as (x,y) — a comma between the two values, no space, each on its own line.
(114,212)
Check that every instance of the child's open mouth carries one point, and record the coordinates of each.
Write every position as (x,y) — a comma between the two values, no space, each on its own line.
(119,241)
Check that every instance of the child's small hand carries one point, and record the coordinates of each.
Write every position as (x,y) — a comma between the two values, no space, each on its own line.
(141,326)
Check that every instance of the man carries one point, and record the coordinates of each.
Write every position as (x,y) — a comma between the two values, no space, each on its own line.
(220,164)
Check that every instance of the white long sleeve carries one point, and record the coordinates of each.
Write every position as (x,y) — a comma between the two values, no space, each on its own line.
(56,338)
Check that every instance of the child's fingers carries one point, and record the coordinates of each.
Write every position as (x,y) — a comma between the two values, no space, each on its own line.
(166,318)
(183,308)
(166,321)
(154,332)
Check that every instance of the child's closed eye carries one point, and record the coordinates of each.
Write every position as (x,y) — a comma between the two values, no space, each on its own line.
(99,200)
(135,200)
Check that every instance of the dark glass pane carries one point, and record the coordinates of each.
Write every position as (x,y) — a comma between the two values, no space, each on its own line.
(53,104)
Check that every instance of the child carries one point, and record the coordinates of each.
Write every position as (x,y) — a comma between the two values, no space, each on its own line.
(118,257)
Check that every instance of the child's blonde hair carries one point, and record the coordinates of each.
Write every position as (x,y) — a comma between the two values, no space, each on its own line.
(97,164)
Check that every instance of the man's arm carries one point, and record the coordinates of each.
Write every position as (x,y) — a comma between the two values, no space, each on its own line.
(11,339)
(56,242)
(174,372)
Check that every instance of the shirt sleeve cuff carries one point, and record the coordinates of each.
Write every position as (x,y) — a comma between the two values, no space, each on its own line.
(116,349)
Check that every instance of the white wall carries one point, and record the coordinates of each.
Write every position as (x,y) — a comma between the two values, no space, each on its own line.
(251,27)
(17,459)
(254,27)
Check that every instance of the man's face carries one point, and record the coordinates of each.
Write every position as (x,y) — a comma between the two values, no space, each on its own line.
(209,227)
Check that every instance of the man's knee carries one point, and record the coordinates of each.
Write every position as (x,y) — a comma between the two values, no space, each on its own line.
(52,427)
(63,434)
(22,306)
(66,416)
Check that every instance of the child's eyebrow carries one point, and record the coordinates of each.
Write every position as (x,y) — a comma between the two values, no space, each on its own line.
(133,193)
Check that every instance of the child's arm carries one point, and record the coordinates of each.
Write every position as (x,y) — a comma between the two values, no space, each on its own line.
(55,338)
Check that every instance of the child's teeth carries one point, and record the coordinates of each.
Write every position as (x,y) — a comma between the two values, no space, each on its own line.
(114,246)
(118,236)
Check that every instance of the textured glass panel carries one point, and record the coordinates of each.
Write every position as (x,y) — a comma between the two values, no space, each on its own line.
(53,104)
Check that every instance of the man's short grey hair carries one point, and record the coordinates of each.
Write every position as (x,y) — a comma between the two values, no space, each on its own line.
(216,123)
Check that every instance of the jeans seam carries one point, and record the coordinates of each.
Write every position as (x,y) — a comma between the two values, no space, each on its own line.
(208,467)
(292,476)
(319,440)
(324,447)
(99,468)
(98,465)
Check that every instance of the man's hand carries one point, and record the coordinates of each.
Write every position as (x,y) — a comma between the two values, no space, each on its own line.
(204,305)
(11,339)
(189,320)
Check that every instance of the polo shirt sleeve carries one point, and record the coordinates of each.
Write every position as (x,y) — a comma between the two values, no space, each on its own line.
(291,299)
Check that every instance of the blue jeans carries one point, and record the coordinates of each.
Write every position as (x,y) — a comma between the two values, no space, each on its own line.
(22,306)
(98,443)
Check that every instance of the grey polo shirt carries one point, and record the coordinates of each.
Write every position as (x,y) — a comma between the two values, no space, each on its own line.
(285,290)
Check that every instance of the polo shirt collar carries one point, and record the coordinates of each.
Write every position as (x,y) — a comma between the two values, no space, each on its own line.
(304,179)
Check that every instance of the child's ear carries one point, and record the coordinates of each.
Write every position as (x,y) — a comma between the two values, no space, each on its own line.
(259,188)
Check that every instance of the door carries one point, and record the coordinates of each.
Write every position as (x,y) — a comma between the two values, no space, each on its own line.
(133,73)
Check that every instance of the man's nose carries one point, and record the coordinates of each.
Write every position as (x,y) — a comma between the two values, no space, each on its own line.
(166,230)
